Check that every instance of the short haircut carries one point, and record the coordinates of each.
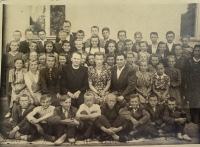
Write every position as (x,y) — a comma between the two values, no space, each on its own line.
(153,95)
(144,42)
(121,54)
(66,21)
(111,95)
(196,46)
(161,42)
(109,55)
(105,29)
(51,56)
(63,55)
(128,40)
(65,41)
(99,54)
(76,53)
(90,94)
(33,61)
(29,43)
(171,99)
(154,33)
(94,27)
(132,96)
(41,54)
(159,63)
(14,41)
(24,95)
(41,30)
(186,36)
(17,31)
(28,30)
(84,53)
(121,31)
(139,62)
(178,45)
(62,31)
(170,57)
(154,55)
(64,97)
(138,33)
(90,54)
(44,97)
(170,32)
(130,53)
(80,31)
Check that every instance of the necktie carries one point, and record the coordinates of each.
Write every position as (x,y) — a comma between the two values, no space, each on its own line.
(66,113)
(23,111)
(154,109)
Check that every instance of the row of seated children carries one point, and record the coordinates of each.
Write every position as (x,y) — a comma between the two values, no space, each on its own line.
(91,121)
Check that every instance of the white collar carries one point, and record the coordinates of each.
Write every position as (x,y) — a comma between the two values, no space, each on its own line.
(160,76)
(43,40)
(196,60)
(121,68)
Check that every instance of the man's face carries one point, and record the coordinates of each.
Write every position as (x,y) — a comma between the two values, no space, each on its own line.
(76,59)
(134,102)
(66,27)
(154,38)
(45,103)
(95,31)
(170,38)
(66,104)
(24,102)
(105,34)
(120,61)
(171,105)
(42,35)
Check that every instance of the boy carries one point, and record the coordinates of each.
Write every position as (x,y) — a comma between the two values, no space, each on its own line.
(90,60)
(170,46)
(110,122)
(41,43)
(16,35)
(138,38)
(144,47)
(121,36)
(88,113)
(62,37)
(83,59)
(110,60)
(43,112)
(175,118)
(106,39)
(80,34)
(132,59)
(20,128)
(79,46)
(154,38)
(24,47)
(94,31)
(65,121)
(187,50)
(138,117)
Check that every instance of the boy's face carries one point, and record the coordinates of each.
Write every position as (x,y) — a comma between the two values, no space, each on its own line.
(91,59)
(42,59)
(42,35)
(120,61)
(111,101)
(178,50)
(143,57)
(110,61)
(33,47)
(129,59)
(185,42)
(143,66)
(33,56)
(111,47)
(94,42)
(79,45)
(62,36)
(89,101)
(160,69)
(29,35)
(14,46)
(153,101)
(162,48)
(83,59)
(122,36)
(66,27)
(80,36)
(154,60)
(105,34)
(99,59)
(94,31)
(46,103)
(50,62)
(154,38)
(197,52)
(171,105)
(66,104)
(138,38)
(134,102)
(17,35)
(76,59)
(171,62)
(33,66)
(143,47)
(24,102)
(66,47)
(62,60)
(49,47)
(129,45)
(18,64)
(170,38)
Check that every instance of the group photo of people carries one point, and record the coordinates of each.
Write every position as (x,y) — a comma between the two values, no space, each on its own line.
(74,88)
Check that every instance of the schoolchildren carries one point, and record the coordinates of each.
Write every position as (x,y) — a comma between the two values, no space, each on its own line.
(143,56)
(32,48)
(40,43)
(132,60)
(110,122)
(78,46)
(43,112)
(90,60)
(67,50)
(83,59)
(24,45)
(80,34)
(42,61)
(58,45)
(138,38)
(153,61)
(161,51)
(121,43)
(129,48)
(175,118)
(144,47)
(175,79)
(62,61)
(16,35)
(110,60)
(161,83)
(106,39)
(154,37)
(170,36)
(187,49)
(111,47)
(88,113)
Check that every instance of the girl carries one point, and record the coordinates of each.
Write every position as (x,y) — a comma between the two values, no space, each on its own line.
(99,77)
(42,61)
(9,64)
(161,83)
(175,79)
(61,61)
(94,46)
(16,78)
(143,56)
(50,48)
(144,80)
(50,80)
(153,61)
(32,47)
(131,61)
(32,81)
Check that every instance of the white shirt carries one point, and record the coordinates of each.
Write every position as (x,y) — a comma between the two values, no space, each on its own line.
(68,38)
(196,60)
(154,48)
(119,71)
(43,41)
(170,46)
(93,108)
(94,50)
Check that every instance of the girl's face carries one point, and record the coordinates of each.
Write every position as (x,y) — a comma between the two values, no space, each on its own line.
(171,62)
(33,47)
(33,56)
(111,47)
(18,64)
(49,47)
(143,57)
(42,59)
(162,48)
(66,47)
(154,60)
(79,45)
(99,59)
(62,60)
(178,50)
(33,66)
(197,52)
(17,36)
(14,46)
(160,69)
(143,66)
(143,47)
(94,42)
(83,59)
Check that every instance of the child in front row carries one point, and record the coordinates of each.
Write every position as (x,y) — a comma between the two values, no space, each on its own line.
(161,83)
(88,113)
(43,112)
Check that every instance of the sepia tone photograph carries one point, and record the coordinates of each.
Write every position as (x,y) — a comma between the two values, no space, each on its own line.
(99,73)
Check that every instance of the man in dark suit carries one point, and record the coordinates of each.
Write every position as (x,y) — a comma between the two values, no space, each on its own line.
(123,79)
(74,80)
(20,128)
(170,46)
(41,43)
(24,45)
(65,121)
